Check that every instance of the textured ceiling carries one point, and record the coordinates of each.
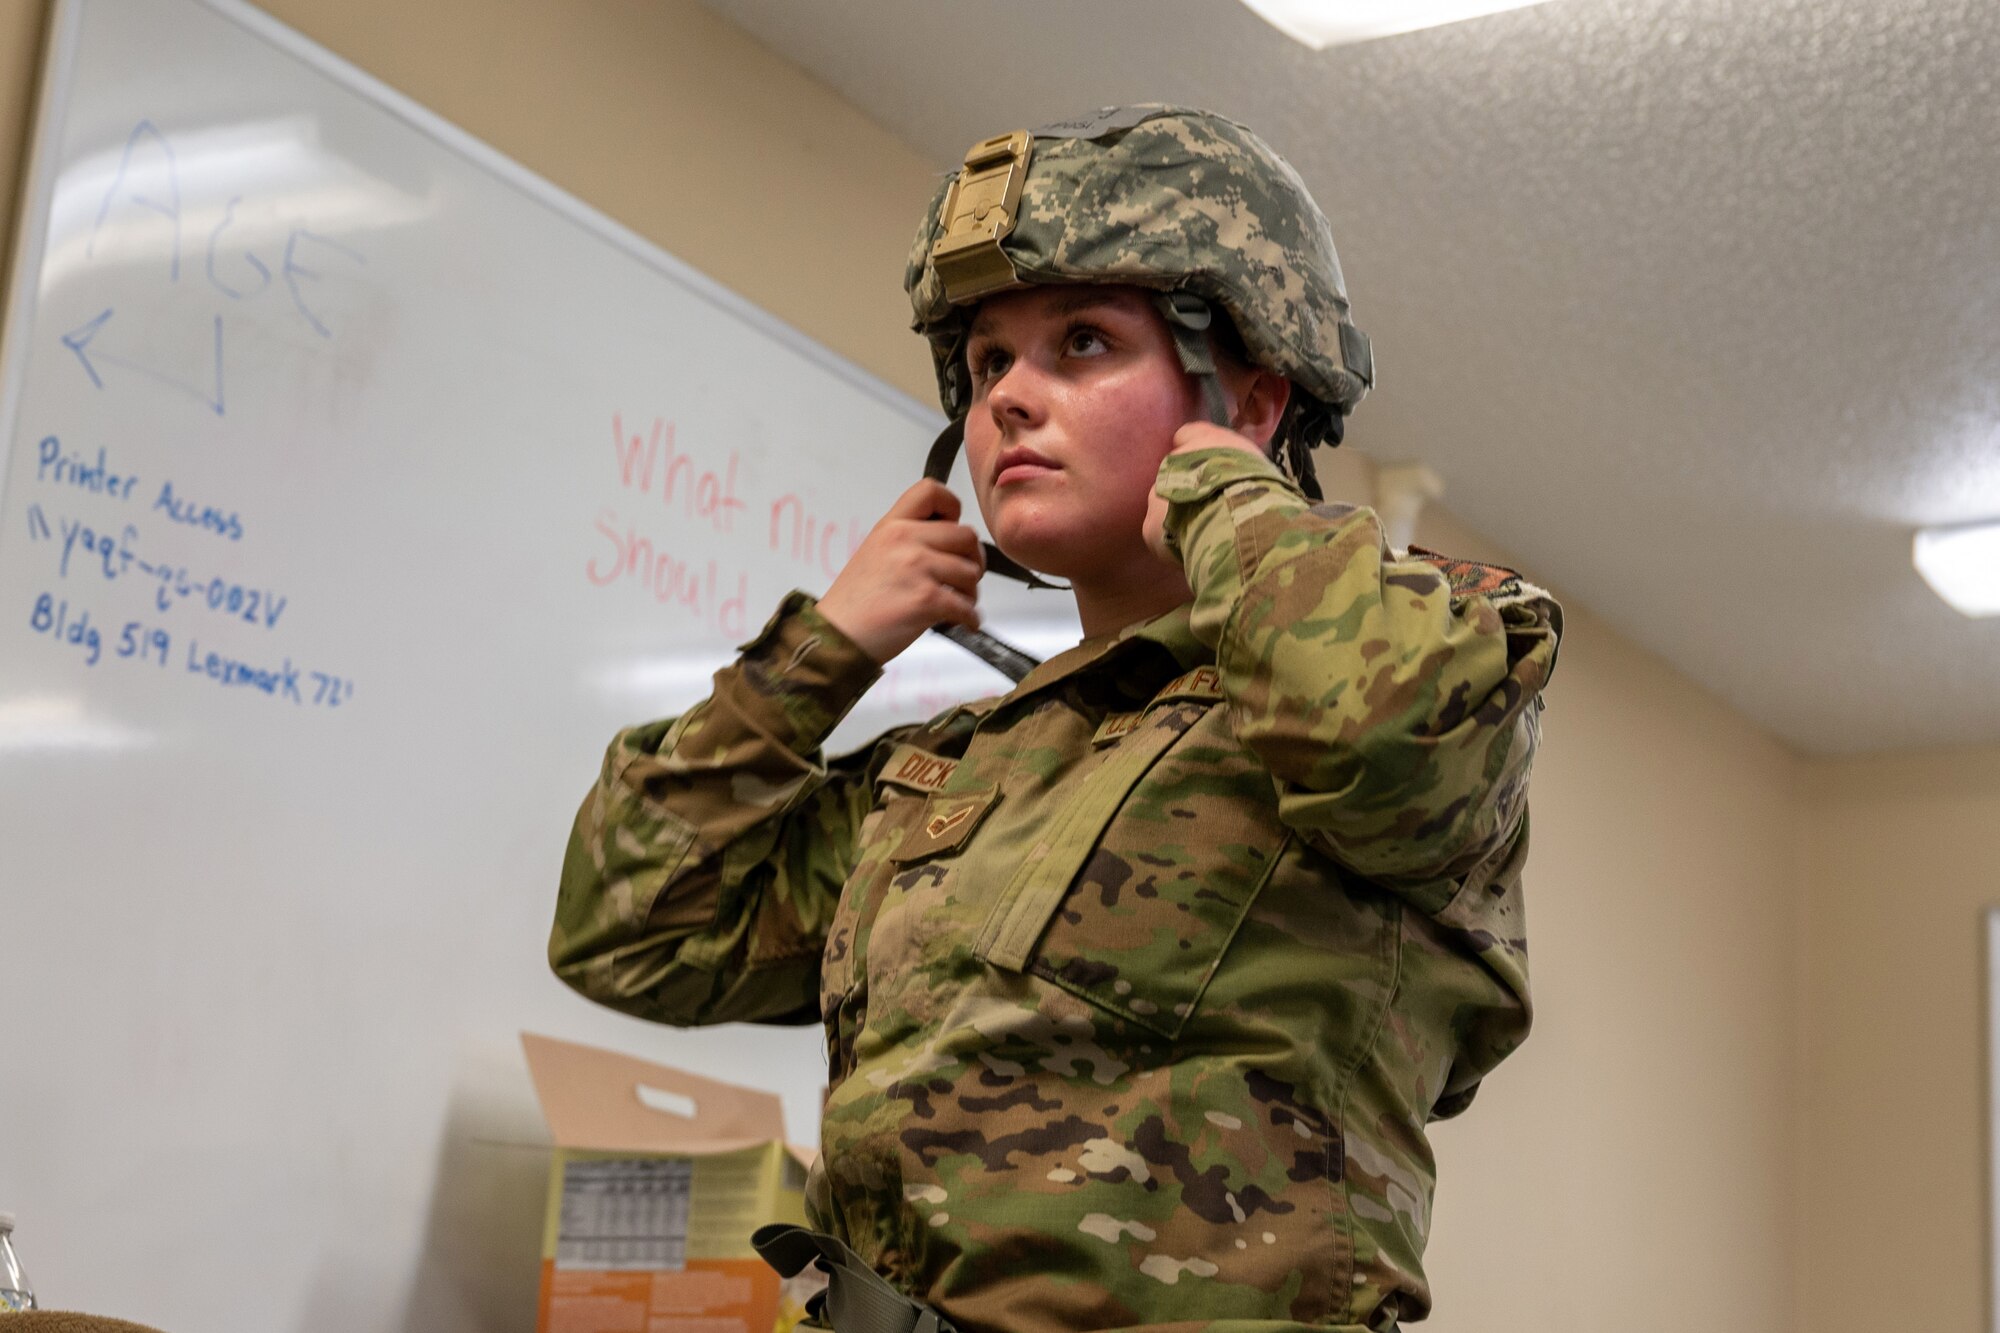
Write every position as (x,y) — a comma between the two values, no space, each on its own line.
(1695,304)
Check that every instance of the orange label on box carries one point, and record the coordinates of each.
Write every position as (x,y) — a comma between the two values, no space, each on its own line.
(708,1296)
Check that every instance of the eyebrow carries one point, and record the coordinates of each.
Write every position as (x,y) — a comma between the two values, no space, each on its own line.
(1066,303)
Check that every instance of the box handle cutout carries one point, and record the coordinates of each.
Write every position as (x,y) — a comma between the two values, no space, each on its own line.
(668,1103)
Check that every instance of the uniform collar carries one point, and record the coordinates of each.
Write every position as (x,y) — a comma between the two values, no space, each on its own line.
(1174,632)
(1162,647)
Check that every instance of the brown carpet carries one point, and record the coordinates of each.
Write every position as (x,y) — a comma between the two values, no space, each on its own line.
(65,1321)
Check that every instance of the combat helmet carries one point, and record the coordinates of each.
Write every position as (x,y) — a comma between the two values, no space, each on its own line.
(1184,202)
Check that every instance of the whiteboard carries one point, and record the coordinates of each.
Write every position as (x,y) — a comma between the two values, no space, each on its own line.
(358,486)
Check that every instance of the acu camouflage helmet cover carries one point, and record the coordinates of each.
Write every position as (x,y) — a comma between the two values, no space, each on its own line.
(1162,197)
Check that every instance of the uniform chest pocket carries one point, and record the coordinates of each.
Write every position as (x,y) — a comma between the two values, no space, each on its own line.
(1137,891)
(904,821)
(914,819)
(841,1005)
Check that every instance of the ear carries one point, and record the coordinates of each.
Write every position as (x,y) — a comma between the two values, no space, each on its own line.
(1257,402)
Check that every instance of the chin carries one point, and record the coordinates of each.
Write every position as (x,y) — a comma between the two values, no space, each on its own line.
(1057,541)
(1058,555)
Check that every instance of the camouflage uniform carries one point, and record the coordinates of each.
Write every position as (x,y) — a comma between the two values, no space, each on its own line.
(1141,982)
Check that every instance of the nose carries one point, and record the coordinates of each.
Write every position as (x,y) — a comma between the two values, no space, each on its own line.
(1016,398)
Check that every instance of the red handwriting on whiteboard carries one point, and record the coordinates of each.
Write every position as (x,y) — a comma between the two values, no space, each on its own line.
(810,538)
(707,591)
(701,493)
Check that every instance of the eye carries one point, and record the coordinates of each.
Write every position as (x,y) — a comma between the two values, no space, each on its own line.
(1085,340)
(987,363)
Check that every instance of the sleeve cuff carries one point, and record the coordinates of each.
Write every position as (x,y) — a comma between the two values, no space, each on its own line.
(1197,529)
(1222,542)
(1200,473)
(800,675)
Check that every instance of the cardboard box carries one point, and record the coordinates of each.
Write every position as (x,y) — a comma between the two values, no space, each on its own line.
(658,1179)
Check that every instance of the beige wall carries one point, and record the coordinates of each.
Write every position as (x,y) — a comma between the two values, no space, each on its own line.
(21,26)
(1630,1169)
(1708,911)
(1900,858)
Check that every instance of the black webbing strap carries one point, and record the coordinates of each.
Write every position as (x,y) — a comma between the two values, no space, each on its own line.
(944,452)
(1008,660)
(1004,658)
(1188,318)
(858,1299)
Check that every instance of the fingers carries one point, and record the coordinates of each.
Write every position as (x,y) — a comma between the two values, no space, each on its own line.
(950,606)
(1208,435)
(956,571)
(945,588)
(950,539)
(918,567)
(937,555)
(926,499)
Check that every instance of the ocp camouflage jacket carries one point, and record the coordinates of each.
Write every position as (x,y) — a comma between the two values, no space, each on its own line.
(1141,983)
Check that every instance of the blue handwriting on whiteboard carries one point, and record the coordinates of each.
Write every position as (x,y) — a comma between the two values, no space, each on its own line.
(222,522)
(214,280)
(71,625)
(170,210)
(254,606)
(108,553)
(114,555)
(83,336)
(295,270)
(55,619)
(52,464)
(280,681)
(148,178)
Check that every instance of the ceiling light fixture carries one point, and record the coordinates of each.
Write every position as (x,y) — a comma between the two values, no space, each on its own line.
(1323,23)
(1962,565)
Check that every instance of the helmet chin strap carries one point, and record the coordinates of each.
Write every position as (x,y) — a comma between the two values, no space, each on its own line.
(1003,657)
(1188,317)
(937,467)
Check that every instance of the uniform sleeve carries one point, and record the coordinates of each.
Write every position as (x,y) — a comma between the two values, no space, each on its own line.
(707,860)
(1396,708)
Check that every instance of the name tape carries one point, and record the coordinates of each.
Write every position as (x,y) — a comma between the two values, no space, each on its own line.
(919,770)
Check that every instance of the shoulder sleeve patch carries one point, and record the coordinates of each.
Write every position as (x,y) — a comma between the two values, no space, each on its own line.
(1470,578)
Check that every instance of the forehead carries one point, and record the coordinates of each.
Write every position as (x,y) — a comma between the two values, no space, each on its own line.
(1034,304)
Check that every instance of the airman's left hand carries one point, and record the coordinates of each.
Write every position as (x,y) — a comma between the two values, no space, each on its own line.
(1194,435)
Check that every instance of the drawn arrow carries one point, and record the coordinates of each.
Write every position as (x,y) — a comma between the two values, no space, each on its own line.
(79,341)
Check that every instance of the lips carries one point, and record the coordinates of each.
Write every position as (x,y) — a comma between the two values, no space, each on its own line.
(1020,464)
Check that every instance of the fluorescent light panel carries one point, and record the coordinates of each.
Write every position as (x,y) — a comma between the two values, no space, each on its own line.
(1323,23)
(1962,565)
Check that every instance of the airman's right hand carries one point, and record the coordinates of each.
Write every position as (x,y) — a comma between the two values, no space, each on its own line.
(917,567)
